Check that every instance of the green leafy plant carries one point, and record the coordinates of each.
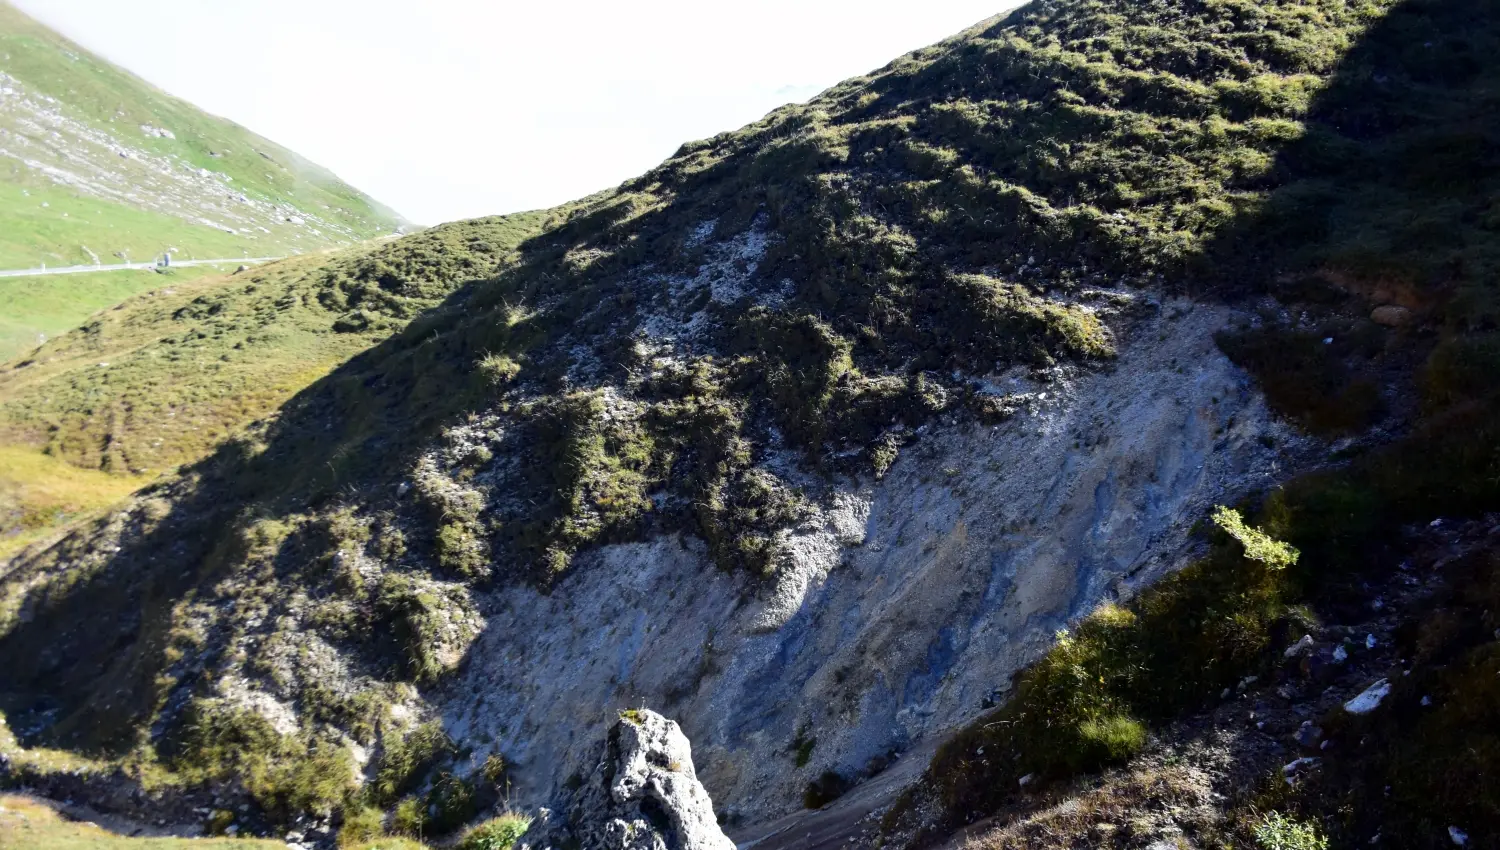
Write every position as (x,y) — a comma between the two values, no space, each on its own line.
(1279,832)
(361,824)
(499,833)
(1259,546)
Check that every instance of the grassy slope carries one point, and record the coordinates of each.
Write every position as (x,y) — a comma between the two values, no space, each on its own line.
(49,306)
(934,216)
(162,377)
(188,364)
(116,103)
(39,493)
(32,235)
(28,825)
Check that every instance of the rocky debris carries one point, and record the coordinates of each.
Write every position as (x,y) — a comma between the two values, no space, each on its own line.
(1300,647)
(1309,735)
(643,794)
(1369,699)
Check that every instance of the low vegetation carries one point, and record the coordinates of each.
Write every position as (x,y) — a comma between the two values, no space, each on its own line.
(163,377)
(1333,244)
(40,308)
(835,277)
(495,834)
(1278,832)
(26,824)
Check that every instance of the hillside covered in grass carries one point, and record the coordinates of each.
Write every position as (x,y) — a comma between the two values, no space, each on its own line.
(731,346)
(161,378)
(96,165)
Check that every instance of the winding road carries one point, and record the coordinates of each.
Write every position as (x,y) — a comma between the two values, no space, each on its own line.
(122,266)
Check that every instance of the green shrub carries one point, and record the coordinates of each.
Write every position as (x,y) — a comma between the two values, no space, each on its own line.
(415,616)
(1108,740)
(462,550)
(802,748)
(1259,546)
(361,824)
(499,833)
(407,759)
(499,369)
(409,818)
(451,803)
(287,775)
(1278,832)
(494,769)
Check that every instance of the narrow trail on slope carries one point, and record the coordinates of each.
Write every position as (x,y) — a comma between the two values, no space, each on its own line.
(43,272)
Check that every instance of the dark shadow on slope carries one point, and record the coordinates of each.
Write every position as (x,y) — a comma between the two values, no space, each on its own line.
(95,658)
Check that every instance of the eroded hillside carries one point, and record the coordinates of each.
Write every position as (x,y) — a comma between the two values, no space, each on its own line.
(816,434)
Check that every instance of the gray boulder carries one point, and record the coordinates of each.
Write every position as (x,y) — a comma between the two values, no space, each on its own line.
(640,792)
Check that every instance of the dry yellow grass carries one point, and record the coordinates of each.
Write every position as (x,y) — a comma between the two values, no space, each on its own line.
(30,824)
(40,493)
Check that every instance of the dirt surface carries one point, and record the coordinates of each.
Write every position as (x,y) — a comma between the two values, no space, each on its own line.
(853,818)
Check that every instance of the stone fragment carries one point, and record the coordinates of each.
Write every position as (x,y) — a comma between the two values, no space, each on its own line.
(643,794)
(1370,699)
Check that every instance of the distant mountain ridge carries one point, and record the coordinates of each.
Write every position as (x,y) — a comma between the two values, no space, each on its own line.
(97,166)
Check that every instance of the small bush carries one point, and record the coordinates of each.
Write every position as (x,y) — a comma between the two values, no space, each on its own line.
(462,550)
(406,760)
(1109,740)
(494,769)
(416,617)
(499,833)
(1278,832)
(1259,546)
(802,747)
(450,803)
(361,824)
(409,818)
(499,369)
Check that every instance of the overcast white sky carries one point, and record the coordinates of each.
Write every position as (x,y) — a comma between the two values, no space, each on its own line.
(448,109)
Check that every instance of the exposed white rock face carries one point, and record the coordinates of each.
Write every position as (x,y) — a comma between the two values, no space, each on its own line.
(643,794)
(905,605)
(1369,699)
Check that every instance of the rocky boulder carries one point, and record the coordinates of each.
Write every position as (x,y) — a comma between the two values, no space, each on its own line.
(639,792)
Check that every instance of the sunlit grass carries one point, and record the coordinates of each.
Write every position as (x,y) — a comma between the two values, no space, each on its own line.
(39,494)
(26,824)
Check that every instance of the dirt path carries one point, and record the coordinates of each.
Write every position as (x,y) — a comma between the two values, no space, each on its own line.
(132,266)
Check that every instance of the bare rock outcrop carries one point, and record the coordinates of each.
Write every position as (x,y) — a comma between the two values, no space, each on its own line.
(641,794)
